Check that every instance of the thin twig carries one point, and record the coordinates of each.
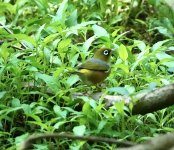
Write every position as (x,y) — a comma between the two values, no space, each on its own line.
(33,138)
(10,32)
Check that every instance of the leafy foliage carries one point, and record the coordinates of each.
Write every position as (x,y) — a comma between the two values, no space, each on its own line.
(49,38)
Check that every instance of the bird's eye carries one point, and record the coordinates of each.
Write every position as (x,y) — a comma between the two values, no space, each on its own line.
(105,52)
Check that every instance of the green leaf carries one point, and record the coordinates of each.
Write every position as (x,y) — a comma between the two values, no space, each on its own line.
(64,44)
(140,58)
(99,31)
(26,108)
(72,80)
(152,117)
(72,19)
(120,107)
(36,118)
(38,122)
(169,64)
(6,6)
(42,5)
(130,89)
(2,94)
(93,103)
(4,51)
(61,11)
(79,130)
(50,38)
(165,59)
(164,31)
(87,110)
(74,29)
(101,125)
(157,45)
(2,19)
(58,124)
(122,51)
(23,37)
(162,55)
(15,102)
(38,32)
(88,43)
(124,67)
(59,112)
(20,139)
(141,45)
(74,60)
(49,80)
(119,90)
(55,60)
(6,111)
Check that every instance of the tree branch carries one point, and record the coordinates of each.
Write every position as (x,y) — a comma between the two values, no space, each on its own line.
(161,142)
(155,100)
(144,103)
(33,138)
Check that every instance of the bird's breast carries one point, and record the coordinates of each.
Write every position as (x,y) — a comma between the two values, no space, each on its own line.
(93,76)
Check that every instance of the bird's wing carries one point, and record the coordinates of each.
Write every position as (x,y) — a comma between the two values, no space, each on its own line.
(95,64)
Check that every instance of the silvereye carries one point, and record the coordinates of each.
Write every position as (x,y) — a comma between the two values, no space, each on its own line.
(97,68)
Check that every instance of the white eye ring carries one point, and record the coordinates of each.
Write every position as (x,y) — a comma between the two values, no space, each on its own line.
(105,52)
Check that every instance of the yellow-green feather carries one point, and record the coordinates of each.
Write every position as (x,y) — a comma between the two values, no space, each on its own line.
(91,76)
(95,69)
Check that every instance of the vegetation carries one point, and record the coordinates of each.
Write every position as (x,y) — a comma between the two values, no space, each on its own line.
(49,38)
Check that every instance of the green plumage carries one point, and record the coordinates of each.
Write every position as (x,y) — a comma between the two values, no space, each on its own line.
(95,64)
(97,68)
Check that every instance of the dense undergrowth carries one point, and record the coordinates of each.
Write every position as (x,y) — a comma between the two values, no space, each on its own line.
(51,37)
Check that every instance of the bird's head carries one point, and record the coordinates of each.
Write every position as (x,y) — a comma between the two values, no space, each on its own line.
(103,54)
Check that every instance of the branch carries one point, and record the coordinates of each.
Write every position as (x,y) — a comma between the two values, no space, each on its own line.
(144,103)
(33,138)
(155,100)
(162,142)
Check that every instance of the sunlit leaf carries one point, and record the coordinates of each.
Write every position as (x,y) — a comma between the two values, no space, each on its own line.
(162,55)
(61,11)
(88,43)
(99,31)
(119,90)
(59,112)
(19,139)
(49,80)
(23,37)
(74,29)
(2,94)
(120,107)
(26,108)
(72,19)
(50,38)
(4,51)
(141,45)
(72,80)
(64,44)
(157,45)
(15,102)
(42,4)
(122,51)
(79,130)
(124,67)
(101,125)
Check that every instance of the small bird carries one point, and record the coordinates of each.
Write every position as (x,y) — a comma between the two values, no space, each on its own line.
(97,68)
